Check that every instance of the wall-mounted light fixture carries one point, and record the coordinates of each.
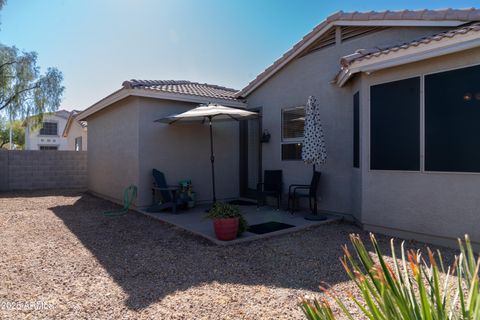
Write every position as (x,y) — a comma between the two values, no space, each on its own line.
(265,138)
(467,96)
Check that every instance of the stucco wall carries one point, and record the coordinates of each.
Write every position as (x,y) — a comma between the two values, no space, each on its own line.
(125,144)
(312,75)
(436,207)
(356,177)
(76,130)
(113,149)
(182,151)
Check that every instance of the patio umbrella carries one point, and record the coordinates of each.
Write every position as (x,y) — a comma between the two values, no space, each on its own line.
(313,149)
(209,113)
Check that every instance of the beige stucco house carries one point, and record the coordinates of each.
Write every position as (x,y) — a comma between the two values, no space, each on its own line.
(400,100)
(75,132)
(124,143)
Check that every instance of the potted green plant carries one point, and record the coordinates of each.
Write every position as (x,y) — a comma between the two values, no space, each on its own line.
(228,221)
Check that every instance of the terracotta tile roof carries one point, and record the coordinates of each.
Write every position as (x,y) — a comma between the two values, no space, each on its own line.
(363,54)
(183,87)
(467,15)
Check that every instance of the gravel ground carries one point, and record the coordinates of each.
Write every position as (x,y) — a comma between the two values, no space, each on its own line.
(60,258)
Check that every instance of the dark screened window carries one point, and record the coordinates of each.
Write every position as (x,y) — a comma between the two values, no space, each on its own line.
(49,129)
(395,125)
(356,130)
(292,151)
(452,120)
(48,148)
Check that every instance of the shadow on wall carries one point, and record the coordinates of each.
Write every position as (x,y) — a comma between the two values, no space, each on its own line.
(150,260)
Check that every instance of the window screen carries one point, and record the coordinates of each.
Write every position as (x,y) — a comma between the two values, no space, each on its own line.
(452,120)
(292,151)
(395,125)
(49,129)
(356,130)
(293,121)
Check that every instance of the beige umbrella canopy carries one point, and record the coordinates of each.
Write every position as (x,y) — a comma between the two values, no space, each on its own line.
(207,112)
(210,113)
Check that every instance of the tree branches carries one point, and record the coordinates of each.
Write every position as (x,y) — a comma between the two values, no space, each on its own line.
(24,91)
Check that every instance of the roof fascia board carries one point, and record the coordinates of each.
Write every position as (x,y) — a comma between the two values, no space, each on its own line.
(108,100)
(400,23)
(396,59)
(435,52)
(124,93)
(344,76)
(67,126)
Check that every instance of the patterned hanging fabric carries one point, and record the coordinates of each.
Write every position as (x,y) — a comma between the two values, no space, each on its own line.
(313,149)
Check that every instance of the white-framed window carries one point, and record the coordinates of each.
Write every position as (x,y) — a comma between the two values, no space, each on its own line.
(78,144)
(293,123)
(49,128)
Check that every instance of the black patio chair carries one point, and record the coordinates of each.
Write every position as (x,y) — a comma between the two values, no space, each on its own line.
(271,186)
(168,194)
(296,191)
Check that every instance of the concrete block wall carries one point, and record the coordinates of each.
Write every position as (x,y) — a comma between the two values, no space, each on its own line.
(3,170)
(34,170)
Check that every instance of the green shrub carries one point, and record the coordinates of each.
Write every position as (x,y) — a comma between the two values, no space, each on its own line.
(410,289)
(225,210)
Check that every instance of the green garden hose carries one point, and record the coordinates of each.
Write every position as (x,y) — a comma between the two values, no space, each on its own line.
(129,195)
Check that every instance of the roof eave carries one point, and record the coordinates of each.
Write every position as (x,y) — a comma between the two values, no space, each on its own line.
(124,93)
(401,23)
(447,46)
(67,126)
(343,76)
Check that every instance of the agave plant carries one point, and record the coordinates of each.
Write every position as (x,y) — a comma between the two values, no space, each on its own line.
(409,288)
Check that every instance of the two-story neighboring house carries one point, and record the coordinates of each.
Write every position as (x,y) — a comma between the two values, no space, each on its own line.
(58,131)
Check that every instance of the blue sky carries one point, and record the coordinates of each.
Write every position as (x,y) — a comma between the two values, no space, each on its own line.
(97,44)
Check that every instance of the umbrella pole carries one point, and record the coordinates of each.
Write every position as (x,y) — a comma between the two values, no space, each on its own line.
(212,159)
(315,199)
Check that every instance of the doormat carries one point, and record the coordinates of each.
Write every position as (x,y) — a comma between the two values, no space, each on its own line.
(268,227)
(242,203)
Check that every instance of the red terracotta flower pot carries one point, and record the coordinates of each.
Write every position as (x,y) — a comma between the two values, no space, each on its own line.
(226,228)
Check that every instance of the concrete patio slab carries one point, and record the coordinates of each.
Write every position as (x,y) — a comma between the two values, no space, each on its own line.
(194,221)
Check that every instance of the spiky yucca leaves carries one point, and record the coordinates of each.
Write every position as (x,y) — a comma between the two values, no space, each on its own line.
(410,289)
